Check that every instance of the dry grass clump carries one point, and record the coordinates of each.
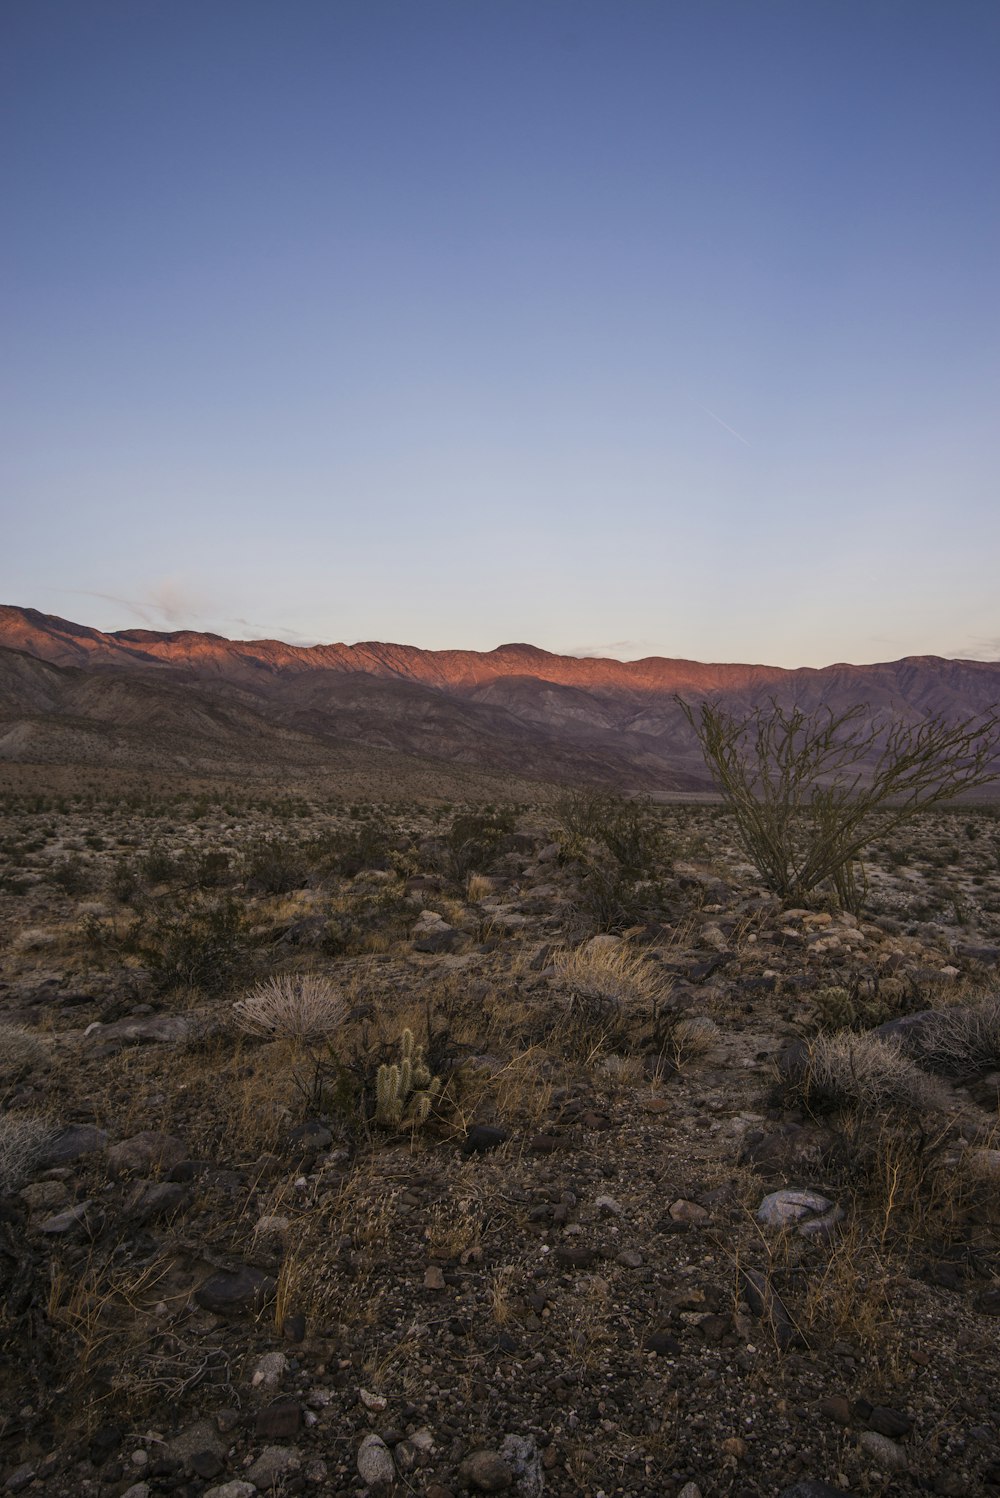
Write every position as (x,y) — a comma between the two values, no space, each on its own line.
(20,1052)
(958,1042)
(23,1137)
(609,972)
(869,1073)
(301,1006)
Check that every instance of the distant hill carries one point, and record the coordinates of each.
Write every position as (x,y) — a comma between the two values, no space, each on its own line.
(69,693)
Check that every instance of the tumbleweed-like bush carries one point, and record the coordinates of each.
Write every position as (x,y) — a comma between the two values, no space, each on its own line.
(611,973)
(869,1073)
(23,1137)
(959,1042)
(301,1006)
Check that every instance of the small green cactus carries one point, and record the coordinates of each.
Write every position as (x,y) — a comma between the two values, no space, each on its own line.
(405,1093)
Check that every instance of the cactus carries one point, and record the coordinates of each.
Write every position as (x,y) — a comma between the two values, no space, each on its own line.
(405,1093)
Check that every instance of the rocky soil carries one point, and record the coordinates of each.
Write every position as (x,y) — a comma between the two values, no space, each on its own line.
(627,1254)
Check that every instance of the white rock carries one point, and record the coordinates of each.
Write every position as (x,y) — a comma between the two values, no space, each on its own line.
(270,1371)
(375,1463)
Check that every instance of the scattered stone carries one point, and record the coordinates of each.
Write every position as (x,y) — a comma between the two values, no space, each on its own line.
(663,1344)
(155,1199)
(279,1421)
(73,1143)
(197,1438)
(145,1153)
(887,1456)
(691,1212)
(229,1292)
(433,1278)
(810,1213)
(837,1408)
(81,1216)
(433,934)
(482,1138)
(270,1370)
(375,1464)
(20,1478)
(813,1487)
(521,1455)
(890,1422)
(767,1305)
(486,1471)
(273,1464)
(236,1489)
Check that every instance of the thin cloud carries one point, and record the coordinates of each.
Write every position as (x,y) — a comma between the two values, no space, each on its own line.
(170,602)
(982,649)
(613,649)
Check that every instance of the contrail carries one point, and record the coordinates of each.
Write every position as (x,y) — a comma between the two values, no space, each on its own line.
(731,430)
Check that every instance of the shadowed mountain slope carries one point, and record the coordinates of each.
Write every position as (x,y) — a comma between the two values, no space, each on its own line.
(515,709)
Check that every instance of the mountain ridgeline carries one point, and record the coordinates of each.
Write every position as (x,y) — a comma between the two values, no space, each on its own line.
(200,703)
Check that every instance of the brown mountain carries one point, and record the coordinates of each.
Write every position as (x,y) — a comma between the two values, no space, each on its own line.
(68,692)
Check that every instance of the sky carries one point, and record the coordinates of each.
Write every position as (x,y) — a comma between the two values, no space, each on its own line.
(620,327)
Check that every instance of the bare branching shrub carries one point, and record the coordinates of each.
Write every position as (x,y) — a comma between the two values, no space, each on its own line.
(810,790)
(959,1043)
(302,1006)
(23,1137)
(868,1073)
(20,1052)
(611,973)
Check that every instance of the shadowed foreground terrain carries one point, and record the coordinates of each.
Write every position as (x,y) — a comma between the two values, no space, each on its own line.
(677,1214)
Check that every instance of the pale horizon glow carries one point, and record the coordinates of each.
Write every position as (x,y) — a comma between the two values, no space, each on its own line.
(616,329)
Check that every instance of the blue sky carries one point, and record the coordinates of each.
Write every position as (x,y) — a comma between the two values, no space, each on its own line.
(625,327)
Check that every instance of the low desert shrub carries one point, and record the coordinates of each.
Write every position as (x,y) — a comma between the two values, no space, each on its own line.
(867,1073)
(23,1137)
(611,974)
(20,1052)
(199,944)
(301,1006)
(958,1043)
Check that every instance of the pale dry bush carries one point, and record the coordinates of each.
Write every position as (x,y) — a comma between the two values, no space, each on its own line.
(958,1042)
(869,1073)
(33,939)
(23,1137)
(611,973)
(301,1006)
(20,1052)
(478,887)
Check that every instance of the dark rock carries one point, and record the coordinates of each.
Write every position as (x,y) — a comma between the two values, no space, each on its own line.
(145,1153)
(813,1487)
(481,1138)
(765,1303)
(73,1143)
(486,1471)
(105,1440)
(890,1422)
(279,1420)
(206,1464)
(152,1199)
(663,1345)
(230,1292)
(574,1257)
(293,1328)
(989,1301)
(837,1408)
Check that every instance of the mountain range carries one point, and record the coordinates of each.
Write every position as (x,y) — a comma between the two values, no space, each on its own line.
(198,702)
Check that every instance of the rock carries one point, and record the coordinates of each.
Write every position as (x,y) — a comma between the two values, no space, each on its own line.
(80,1217)
(432,934)
(690,1490)
(811,1487)
(790,1150)
(663,1344)
(20,1478)
(229,1292)
(766,1303)
(482,1138)
(269,1372)
(73,1143)
(138,1490)
(44,1196)
(273,1464)
(150,1200)
(279,1421)
(521,1455)
(142,1029)
(236,1489)
(685,1211)
(199,1437)
(145,1153)
(890,1422)
(807,1210)
(886,1455)
(989,1301)
(375,1464)
(837,1408)
(486,1471)
(206,1464)
(433,1278)
(570,1257)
